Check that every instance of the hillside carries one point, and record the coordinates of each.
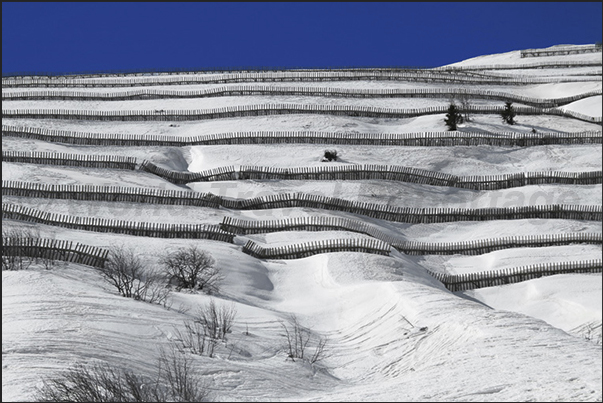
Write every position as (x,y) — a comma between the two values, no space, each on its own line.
(394,330)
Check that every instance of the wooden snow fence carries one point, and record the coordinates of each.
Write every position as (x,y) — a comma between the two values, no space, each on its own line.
(147,73)
(470,281)
(301,250)
(180,177)
(286,200)
(54,249)
(147,229)
(79,160)
(273,109)
(567,50)
(440,75)
(424,139)
(150,73)
(475,247)
(482,246)
(294,91)
(110,193)
(312,223)
(376,172)
(196,71)
(515,66)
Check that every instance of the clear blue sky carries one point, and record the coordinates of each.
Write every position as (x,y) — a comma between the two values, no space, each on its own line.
(76,37)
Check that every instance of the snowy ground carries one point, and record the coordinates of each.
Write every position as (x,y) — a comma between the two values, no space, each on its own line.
(394,332)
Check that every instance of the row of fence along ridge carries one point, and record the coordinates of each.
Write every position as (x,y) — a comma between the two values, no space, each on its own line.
(516,66)
(460,282)
(288,200)
(470,281)
(93,256)
(336,172)
(424,139)
(199,70)
(80,160)
(54,249)
(561,50)
(440,74)
(301,250)
(230,227)
(297,91)
(148,229)
(474,247)
(248,69)
(96,257)
(274,109)
(376,172)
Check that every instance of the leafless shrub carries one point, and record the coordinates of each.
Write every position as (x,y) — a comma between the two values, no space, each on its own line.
(194,339)
(183,308)
(153,289)
(125,271)
(299,341)
(217,320)
(465,107)
(98,383)
(210,324)
(18,258)
(177,374)
(192,268)
(176,380)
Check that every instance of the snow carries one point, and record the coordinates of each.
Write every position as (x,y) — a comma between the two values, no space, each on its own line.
(588,106)
(394,332)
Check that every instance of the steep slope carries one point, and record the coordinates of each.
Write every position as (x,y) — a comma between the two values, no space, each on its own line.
(393,331)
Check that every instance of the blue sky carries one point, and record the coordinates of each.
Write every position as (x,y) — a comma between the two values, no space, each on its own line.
(77,37)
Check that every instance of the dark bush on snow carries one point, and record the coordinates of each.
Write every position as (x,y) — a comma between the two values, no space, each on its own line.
(330,155)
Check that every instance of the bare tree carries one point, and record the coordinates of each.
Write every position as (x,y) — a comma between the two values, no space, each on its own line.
(176,380)
(126,272)
(299,341)
(465,107)
(192,268)
(123,269)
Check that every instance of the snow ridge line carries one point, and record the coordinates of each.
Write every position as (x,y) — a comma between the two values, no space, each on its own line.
(305,91)
(55,249)
(272,109)
(148,229)
(460,282)
(447,138)
(288,200)
(475,247)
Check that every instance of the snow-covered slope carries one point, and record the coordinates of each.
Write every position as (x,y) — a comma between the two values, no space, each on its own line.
(394,332)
